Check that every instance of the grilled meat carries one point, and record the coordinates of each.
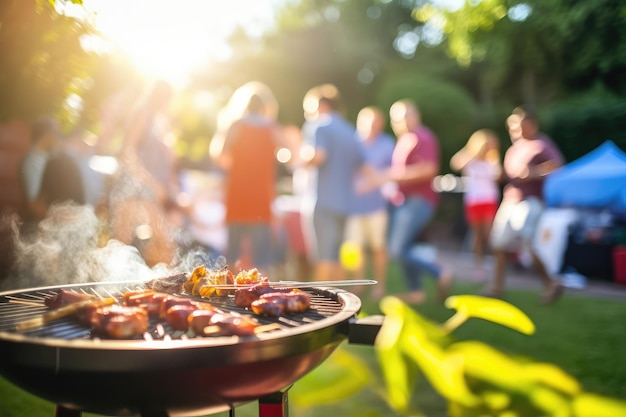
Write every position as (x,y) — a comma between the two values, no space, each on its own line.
(264,307)
(118,321)
(245,296)
(231,324)
(151,300)
(171,284)
(177,316)
(198,320)
(274,304)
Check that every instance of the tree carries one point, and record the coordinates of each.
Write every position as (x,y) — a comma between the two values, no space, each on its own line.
(42,59)
(550,48)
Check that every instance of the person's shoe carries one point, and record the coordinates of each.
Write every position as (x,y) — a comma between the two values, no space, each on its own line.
(444,283)
(554,293)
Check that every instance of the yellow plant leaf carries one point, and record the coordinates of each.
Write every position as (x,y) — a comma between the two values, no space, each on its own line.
(553,377)
(394,307)
(398,376)
(496,400)
(592,405)
(550,402)
(491,309)
(445,371)
(492,366)
(396,371)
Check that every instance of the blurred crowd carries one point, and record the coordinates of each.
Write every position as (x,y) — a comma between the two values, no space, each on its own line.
(359,197)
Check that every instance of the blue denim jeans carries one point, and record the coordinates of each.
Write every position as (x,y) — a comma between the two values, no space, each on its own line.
(406,223)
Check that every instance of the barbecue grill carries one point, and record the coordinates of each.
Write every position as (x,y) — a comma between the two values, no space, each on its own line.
(166,372)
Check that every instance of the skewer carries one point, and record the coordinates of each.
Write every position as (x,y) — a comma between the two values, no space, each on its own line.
(299,284)
(25,302)
(61,312)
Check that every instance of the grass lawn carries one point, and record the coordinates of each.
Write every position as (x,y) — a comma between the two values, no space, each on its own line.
(584,336)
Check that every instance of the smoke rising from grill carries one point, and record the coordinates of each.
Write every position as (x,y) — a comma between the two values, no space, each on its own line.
(66,249)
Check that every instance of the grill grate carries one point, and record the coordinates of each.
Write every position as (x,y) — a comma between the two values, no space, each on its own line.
(20,306)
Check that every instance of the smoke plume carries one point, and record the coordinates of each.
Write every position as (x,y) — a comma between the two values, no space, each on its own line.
(66,248)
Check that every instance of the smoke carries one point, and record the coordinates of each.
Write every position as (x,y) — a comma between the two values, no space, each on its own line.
(66,248)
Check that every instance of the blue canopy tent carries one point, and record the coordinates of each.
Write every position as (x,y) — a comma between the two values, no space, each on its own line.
(593,185)
(595,180)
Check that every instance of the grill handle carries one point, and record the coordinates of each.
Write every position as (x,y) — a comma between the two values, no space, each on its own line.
(363,331)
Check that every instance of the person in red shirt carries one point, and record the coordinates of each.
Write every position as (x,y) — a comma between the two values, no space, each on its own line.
(414,165)
(527,162)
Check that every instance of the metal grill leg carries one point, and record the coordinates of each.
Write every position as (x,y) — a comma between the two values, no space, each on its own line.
(274,405)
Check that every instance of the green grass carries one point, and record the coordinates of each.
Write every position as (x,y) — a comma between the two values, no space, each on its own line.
(584,336)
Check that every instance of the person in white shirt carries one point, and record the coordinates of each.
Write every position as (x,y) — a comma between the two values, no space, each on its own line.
(479,163)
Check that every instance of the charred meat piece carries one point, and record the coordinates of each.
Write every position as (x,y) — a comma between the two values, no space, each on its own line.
(176,310)
(296,301)
(265,307)
(245,296)
(274,304)
(177,316)
(151,300)
(118,321)
(198,320)
(231,324)
(172,300)
(172,284)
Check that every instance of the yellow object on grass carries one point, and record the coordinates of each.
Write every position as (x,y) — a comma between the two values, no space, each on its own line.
(350,256)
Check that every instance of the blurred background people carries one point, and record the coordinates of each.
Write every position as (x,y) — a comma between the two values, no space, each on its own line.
(527,162)
(288,207)
(80,146)
(68,176)
(145,180)
(46,132)
(415,163)
(245,148)
(62,180)
(335,156)
(367,225)
(479,164)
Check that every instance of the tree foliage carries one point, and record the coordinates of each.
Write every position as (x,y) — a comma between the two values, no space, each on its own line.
(551,48)
(42,59)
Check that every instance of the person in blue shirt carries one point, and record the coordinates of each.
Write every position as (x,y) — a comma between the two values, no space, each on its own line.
(334,157)
(367,226)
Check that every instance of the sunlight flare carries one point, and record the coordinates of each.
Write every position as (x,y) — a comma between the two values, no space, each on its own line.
(169,40)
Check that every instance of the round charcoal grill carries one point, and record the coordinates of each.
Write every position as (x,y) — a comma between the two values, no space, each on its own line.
(167,372)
